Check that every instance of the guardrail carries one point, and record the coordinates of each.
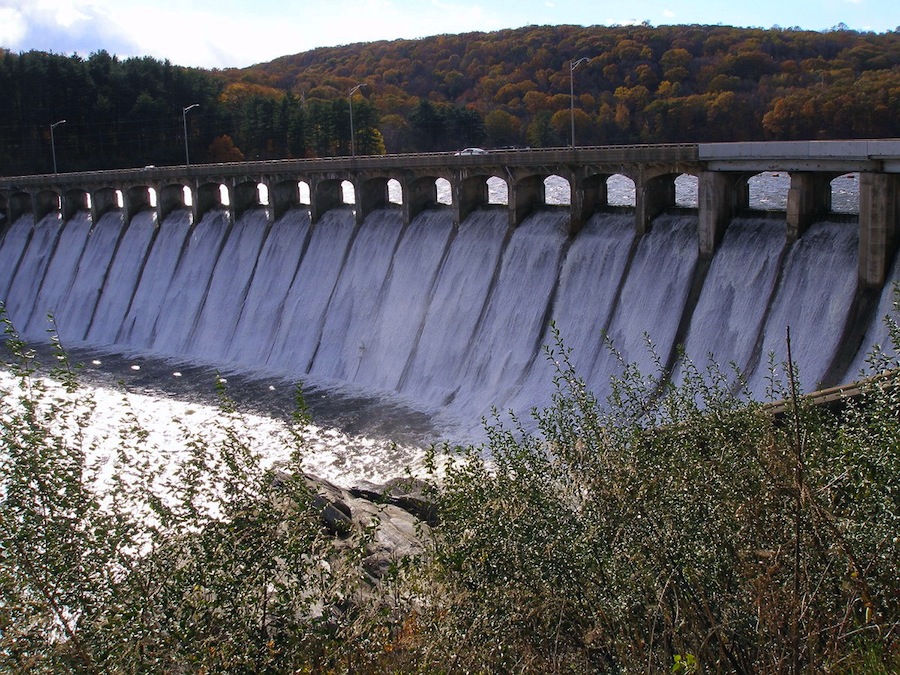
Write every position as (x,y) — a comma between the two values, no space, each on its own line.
(684,152)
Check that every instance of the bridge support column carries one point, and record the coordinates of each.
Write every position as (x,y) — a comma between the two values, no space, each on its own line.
(418,195)
(282,197)
(371,194)
(168,198)
(717,200)
(102,201)
(524,195)
(244,196)
(324,195)
(588,195)
(808,196)
(19,204)
(72,202)
(45,203)
(652,197)
(206,198)
(134,200)
(879,213)
(468,195)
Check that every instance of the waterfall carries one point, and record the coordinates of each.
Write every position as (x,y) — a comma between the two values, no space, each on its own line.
(450,316)
(814,299)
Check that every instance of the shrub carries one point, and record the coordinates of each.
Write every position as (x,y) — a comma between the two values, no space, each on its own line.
(674,528)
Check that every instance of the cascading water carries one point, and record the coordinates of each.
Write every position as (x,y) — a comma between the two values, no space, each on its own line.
(228,287)
(449,317)
(122,276)
(732,306)
(148,300)
(297,334)
(33,263)
(264,305)
(651,301)
(814,298)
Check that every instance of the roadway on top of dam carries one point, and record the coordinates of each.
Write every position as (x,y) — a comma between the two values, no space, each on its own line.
(882,156)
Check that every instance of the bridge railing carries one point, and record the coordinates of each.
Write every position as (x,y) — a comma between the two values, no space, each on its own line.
(503,157)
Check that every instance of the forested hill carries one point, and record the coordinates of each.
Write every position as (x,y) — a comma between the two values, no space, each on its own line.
(632,84)
(639,84)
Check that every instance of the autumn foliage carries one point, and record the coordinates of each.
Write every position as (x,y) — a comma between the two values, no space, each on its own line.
(637,84)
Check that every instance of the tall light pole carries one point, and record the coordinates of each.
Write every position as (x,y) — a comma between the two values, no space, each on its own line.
(184,112)
(572,66)
(350,97)
(53,142)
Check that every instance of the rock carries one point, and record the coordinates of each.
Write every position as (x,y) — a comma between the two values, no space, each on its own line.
(396,516)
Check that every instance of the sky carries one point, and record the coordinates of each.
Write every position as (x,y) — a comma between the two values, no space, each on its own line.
(240,33)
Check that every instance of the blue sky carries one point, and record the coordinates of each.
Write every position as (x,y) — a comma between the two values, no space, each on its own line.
(237,33)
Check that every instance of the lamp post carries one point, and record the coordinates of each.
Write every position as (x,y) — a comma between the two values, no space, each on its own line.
(53,142)
(184,112)
(572,66)
(350,97)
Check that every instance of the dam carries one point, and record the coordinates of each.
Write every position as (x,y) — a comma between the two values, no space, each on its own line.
(448,303)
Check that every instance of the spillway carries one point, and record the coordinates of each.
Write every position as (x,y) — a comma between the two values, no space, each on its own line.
(448,317)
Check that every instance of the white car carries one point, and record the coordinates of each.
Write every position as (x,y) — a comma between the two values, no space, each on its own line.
(472,151)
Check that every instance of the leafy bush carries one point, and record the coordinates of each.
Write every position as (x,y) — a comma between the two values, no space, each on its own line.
(677,528)
(217,562)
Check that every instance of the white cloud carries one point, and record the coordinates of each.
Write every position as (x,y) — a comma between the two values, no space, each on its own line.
(12,27)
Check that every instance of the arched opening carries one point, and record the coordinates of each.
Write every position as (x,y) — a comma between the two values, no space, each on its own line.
(768,191)
(845,193)
(687,191)
(151,197)
(348,193)
(120,199)
(188,198)
(262,194)
(557,191)
(224,197)
(444,192)
(395,192)
(303,189)
(498,191)
(620,190)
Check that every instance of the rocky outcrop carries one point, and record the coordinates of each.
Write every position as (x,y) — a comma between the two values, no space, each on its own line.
(398,516)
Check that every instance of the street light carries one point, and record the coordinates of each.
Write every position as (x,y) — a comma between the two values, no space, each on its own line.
(572,66)
(184,112)
(350,97)
(53,142)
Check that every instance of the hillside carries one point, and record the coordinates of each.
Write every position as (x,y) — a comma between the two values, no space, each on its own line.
(632,84)
(638,84)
